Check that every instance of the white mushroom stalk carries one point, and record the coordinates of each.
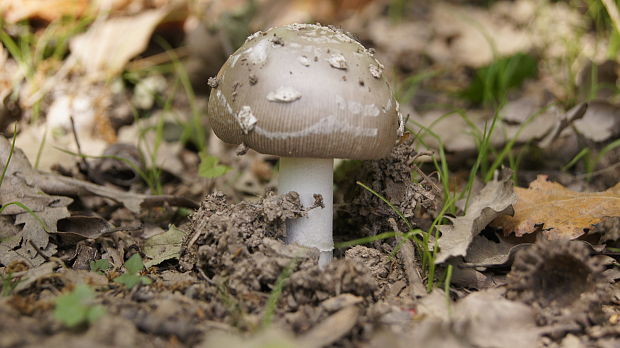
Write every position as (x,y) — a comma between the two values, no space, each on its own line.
(310,176)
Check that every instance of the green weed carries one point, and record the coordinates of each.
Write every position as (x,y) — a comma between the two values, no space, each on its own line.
(276,293)
(78,307)
(397,10)
(150,178)
(8,159)
(100,266)
(193,130)
(209,167)
(19,204)
(421,239)
(491,83)
(409,86)
(132,276)
(32,50)
(29,211)
(8,284)
(591,158)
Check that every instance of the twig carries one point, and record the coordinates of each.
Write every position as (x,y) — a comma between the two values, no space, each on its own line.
(193,239)
(567,119)
(596,172)
(39,252)
(77,144)
(407,254)
(157,59)
(426,178)
(202,275)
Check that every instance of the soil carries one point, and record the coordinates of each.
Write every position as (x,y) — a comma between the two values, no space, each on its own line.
(218,272)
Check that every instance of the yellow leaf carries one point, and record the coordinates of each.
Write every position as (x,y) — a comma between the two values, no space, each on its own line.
(559,212)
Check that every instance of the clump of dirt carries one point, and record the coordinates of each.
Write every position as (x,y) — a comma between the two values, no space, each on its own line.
(239,250)
(563,282)
(223,232)
(390,177)
(384,270)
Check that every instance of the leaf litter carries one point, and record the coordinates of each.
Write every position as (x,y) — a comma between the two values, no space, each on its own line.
(226,278)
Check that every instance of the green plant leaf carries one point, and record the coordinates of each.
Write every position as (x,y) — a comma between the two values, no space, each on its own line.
(77,307)
(209,167)
(491,83)
(134,264)
(99,266)
(132,277)
(129,280)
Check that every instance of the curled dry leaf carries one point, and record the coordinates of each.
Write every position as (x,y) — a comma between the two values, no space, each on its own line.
(558,211)
(494,200)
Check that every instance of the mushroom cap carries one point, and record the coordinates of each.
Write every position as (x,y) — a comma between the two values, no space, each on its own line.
(305,90)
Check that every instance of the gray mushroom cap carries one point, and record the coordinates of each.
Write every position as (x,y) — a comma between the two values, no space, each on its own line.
(305,90)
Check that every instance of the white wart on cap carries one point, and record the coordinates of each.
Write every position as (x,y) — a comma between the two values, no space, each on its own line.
(305,90)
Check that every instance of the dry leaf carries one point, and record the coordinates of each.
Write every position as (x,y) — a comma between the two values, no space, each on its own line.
(600,122)
(47,10)
(45,210)
(495,199)
(266,338)
(558,211)
(484,252)
(481,319)
(107,46)
(61,185)
(478,35)
(164,246)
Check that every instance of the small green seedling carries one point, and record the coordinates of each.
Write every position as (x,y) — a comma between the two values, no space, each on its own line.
(100,266)
(77,307)
(132,276)
(8,284)
(209,167)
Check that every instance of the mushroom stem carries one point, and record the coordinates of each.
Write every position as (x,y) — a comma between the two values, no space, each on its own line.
(310,176)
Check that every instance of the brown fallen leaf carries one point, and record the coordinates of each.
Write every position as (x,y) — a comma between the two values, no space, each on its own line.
(125,36)
(482,319)
(494,200)
(332,328)
(52,184)
(558,211)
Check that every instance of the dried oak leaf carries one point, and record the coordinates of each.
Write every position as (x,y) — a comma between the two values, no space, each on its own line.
(494,200)
(558,211)
(36,224)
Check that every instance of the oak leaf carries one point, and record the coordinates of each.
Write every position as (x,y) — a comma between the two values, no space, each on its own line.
(495,199)
(559,212)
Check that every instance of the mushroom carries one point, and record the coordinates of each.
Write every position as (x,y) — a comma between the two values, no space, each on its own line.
(309,94)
